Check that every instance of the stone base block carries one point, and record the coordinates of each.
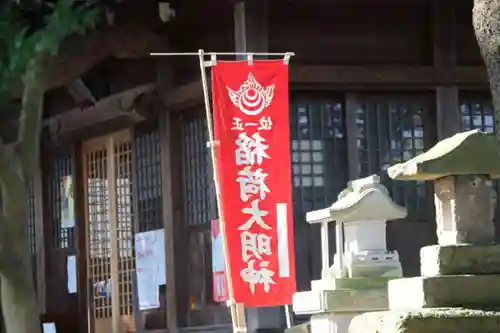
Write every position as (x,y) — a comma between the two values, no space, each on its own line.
(391,269)
(302,328)
(442,320)
(460,259)
(350,283)
(445,291)
(331,323)
(321,301)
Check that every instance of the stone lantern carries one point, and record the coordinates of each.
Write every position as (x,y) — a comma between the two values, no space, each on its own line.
(356,282)
(459,290)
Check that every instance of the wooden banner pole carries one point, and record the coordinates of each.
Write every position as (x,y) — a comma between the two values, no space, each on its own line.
(237,310)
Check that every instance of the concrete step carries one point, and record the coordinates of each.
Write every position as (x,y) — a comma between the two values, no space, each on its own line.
(476,291)
(351,283)
(460,259)
(207,329)
(321,301)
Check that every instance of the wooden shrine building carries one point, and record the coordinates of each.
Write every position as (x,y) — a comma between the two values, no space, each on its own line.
(373,82)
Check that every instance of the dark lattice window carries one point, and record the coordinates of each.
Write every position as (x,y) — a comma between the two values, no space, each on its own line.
(196,171)
(148,171)
(391,130)
(477,113)
(61,166)
(319,172)
(319,152)
(198,210)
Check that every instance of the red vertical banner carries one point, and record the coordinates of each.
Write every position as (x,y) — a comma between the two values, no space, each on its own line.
(251,127)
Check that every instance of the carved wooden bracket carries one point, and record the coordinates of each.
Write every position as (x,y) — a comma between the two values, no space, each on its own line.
(135,104)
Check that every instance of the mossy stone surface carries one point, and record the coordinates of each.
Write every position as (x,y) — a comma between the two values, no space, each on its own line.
(437,320)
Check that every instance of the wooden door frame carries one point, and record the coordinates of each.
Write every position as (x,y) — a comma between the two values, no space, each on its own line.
(81,238)
(108,143)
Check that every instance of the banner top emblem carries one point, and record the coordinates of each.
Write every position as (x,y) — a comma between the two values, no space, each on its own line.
(251,98)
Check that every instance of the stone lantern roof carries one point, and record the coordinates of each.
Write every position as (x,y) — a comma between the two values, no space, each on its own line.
(363,199)
(468,153)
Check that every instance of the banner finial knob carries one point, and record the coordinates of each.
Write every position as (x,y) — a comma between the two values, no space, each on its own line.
(250,59)
(286,59)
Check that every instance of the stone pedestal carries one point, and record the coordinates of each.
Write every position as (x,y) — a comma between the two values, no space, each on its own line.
(334,303)
(440,302)
(465,206)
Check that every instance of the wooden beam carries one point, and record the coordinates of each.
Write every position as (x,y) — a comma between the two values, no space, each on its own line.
(385,75)
(340,77)
(362,74)
(471,75)
(121,104)
(89,132)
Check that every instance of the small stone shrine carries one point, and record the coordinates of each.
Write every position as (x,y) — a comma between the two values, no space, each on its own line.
(459,290)
(357,280)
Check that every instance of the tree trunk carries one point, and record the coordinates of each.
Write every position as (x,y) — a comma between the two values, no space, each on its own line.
(18,161)
(17,292)
(486,22)
(19,305)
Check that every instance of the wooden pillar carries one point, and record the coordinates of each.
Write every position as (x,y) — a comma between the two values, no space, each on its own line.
(84,291)
(168,221)
(251,26)
(251,34)
(138,315)
(113,225)
(164,84)
(181,245)
(449,119)
(352,105)
(243,19)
